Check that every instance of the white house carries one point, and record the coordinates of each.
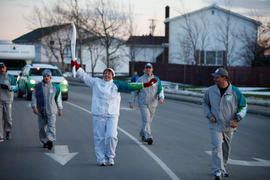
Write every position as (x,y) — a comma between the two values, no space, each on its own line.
(52,45)
(208,35)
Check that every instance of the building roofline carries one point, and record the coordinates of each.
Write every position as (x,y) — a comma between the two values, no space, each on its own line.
(214,6)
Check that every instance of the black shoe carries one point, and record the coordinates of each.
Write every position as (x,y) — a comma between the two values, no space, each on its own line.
(143,139)
(101,164)
(150,141)
(226,174)
(45,145)
(218,178)
(50,145)
(8,135)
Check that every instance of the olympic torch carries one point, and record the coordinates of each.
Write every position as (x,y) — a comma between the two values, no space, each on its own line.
(73,48)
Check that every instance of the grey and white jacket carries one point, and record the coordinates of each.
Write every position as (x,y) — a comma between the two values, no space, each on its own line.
(232,105)
(47,98)
(148,96)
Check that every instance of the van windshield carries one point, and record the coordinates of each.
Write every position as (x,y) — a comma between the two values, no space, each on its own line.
(14,64)
(38,72)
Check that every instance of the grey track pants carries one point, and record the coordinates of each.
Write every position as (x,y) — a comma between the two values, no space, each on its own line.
(5,118)
(147,114)
(47,127)
(221,147)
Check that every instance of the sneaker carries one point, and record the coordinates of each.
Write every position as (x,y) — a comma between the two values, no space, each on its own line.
(226,174)
(8,135)
(150,141)
(111,162)
(218,176)
(45,145)
(143,139)
(50,145)
(101,164)
(1,139)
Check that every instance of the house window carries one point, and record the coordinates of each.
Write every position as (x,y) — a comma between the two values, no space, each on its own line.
(211,58)
(219,56)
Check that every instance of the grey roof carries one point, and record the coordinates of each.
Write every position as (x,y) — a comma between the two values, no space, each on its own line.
(146,40)
(37,34)
(214,6)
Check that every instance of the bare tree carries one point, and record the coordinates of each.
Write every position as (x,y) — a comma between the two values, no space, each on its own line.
(95,51)
(110,24)
(226,33)
(133,50)
(194,34)
(73,12)
(52,25)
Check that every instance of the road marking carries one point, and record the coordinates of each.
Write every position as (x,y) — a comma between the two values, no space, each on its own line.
(79,107)
(169,172)
(127,109)
(258,162)
(61,154)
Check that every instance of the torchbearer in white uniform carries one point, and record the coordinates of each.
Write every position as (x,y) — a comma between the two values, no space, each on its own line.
(105,109)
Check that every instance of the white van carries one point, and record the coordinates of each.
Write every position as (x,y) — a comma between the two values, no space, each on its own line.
(16,56)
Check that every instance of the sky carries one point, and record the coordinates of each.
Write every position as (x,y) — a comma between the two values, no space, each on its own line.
(14,23)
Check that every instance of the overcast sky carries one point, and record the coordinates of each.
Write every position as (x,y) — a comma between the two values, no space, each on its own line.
(13,25)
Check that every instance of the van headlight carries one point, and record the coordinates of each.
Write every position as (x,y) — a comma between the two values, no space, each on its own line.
(32,81)
(65,82)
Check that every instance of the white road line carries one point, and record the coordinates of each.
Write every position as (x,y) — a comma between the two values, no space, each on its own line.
(169,172)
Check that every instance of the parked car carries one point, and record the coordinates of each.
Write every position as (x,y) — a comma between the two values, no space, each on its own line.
(32,75)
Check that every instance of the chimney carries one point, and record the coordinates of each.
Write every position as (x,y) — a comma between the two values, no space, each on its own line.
(166,40)
(167,16)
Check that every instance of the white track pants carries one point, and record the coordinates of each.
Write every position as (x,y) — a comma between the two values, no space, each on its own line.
(105,137)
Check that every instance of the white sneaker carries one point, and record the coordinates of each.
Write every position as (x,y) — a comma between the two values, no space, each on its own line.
(110,162)
(1,139)
(218,176)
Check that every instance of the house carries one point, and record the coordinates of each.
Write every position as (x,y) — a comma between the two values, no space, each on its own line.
(145,48)
(211,36)
(47,42)
(52,45)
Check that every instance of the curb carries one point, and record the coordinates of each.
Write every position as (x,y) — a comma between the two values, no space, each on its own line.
(252,111)
(177,97)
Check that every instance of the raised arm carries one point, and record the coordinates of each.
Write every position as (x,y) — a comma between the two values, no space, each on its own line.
(128,87)
(86,78)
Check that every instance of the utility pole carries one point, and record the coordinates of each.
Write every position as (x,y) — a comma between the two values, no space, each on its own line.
(152,26)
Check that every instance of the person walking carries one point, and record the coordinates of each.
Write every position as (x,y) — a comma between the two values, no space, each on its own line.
(46,103)
(148,100)
(105,110)
(135,77)
(7,86)
(224,106)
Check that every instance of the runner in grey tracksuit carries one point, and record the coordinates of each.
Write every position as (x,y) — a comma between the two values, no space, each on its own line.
(224,112)
(46,101)
(148,100)
(7,84)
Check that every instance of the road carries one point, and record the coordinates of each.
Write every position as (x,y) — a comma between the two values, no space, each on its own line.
(181,139)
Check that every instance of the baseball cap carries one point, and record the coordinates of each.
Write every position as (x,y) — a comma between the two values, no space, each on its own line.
(110,69)
(148,65)
(2,64)
(220,72)
(47,72)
